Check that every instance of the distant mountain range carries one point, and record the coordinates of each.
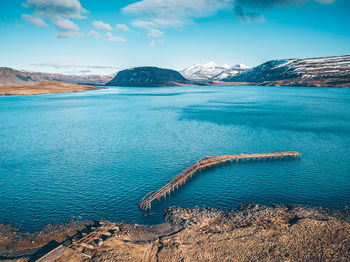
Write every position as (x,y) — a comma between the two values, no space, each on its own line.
(9,76)
(148,76)
(321,71)
(211,71)
(331,71)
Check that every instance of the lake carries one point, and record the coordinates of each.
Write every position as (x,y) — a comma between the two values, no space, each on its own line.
(94,155)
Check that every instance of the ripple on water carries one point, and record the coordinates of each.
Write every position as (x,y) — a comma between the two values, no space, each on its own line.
(96,154)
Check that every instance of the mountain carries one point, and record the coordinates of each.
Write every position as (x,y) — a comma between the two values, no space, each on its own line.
(211,71)
(9,76)
(320,71)
(203,71)
(148,76)
(234,70)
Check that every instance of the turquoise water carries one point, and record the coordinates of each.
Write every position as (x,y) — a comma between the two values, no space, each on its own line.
(94,155)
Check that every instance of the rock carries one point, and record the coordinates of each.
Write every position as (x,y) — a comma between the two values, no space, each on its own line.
(87,245)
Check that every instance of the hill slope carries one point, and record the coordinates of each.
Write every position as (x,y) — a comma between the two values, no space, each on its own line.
(9,76)
(148,77)
(44,87)
(324,71)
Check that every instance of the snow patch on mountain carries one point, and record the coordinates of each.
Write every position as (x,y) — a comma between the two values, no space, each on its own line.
(211,71)
(309,68)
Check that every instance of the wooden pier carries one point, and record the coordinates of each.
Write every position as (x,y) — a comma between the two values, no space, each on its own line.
(206,162)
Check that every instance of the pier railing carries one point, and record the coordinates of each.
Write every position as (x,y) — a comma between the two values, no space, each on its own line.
(206,162)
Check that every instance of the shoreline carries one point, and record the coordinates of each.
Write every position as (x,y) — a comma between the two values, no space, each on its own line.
(44,87)
(55,87)
(196,231)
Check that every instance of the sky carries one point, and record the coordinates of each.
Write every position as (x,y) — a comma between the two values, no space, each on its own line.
(104,36)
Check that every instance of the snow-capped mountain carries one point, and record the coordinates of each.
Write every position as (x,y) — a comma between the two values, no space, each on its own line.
(234,70)
(240,66)
(209,71)
(310,71)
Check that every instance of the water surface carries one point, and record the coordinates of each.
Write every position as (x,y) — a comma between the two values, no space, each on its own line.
(94,155)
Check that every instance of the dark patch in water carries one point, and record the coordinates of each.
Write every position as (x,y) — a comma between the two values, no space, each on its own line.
(270,115)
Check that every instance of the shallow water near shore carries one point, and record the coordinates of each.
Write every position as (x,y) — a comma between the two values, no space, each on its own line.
(94,155)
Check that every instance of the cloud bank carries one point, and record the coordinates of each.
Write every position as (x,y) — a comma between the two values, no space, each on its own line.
(59,12)
(173,13)
(65,8)
(157,14)
(152,15)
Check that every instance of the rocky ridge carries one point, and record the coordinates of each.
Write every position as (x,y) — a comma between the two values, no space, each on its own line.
(321,71)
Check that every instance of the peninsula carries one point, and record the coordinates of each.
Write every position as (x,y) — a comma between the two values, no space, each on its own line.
(44,87)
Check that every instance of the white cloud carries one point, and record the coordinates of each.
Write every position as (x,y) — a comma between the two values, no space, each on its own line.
(174,13)
(155,33)
(52,8)
(101,25)
(34,20)
(74,67)
(152,43)
(59,12)
(94,34)
(153,15)
(70,64)
(70,34)
(65,24)
(113,38)
(143,24)
(149,26)
(122,27)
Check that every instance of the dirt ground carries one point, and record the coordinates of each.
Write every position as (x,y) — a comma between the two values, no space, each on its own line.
(17,244)
(45,87)
(251,233)
(254,233)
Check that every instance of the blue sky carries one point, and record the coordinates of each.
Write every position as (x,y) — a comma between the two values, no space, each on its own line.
(89,36)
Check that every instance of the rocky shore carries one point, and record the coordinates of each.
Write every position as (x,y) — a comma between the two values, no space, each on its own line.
(250,233)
